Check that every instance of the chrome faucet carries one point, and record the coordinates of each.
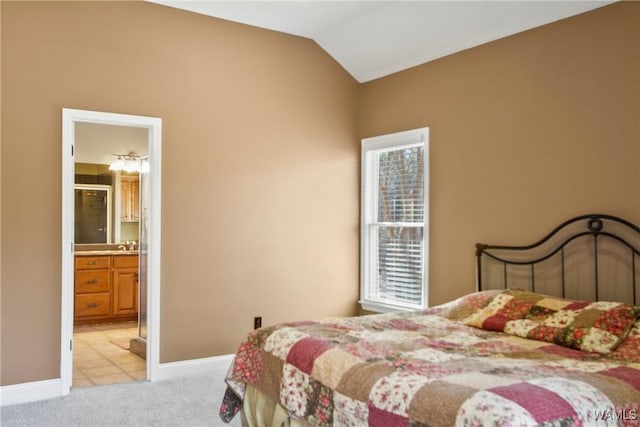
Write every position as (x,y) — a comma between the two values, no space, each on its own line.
(122,248)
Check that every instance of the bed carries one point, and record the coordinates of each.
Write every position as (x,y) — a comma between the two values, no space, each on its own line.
(550,337)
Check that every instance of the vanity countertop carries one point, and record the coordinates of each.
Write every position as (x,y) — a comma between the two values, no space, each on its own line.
(105,252)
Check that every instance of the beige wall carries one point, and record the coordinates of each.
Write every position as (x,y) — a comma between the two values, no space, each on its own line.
(260,157)
(525,132)
(260,170)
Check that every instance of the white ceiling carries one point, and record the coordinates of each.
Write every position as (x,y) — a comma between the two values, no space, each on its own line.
(372,39)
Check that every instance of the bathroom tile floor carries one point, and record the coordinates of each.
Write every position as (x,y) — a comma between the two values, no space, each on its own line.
(101,355)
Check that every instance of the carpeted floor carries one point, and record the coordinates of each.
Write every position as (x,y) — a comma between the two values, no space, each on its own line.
(187,402)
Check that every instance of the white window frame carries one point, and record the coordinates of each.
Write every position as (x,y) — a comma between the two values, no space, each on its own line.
(368,212)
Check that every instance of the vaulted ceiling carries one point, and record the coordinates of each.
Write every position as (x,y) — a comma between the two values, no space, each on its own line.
(372,39)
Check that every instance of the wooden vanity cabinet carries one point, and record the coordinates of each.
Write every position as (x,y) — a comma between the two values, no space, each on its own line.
(106,289)
(125,285)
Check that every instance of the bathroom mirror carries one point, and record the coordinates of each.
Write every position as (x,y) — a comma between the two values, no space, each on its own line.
(107,202)
(107,207)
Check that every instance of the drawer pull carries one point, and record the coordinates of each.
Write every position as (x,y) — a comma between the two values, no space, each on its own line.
(93,305)
(92,262)
(92,281)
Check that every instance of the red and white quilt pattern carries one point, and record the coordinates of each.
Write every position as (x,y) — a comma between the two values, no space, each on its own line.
(430,369)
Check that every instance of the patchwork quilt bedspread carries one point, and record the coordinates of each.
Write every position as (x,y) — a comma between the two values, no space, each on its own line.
(493,358)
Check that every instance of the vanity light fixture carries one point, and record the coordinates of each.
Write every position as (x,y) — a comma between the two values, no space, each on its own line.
(130,163)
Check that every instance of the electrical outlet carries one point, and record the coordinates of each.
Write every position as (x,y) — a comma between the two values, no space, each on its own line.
(257,322)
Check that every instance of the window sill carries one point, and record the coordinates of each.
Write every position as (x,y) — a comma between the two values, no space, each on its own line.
(382,307)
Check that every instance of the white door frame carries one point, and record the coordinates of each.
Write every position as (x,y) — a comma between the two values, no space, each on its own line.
(154,126)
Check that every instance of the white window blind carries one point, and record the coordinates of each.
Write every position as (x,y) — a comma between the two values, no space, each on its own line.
(394,213)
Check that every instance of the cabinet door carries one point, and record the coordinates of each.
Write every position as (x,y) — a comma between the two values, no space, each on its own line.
(129,198)
(135,199)
(125,196)
(125,291)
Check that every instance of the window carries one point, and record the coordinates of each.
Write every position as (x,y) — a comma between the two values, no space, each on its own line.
(394,221)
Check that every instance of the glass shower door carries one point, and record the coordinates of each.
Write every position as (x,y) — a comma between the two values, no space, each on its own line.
(92,213)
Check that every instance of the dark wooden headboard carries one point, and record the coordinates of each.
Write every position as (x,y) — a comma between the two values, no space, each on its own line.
(589,257)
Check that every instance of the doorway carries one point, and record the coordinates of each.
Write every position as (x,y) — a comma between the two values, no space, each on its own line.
(115,298)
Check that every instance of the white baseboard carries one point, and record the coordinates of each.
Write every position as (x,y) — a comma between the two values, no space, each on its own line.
(184,368)
(30,392)
(49,389)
